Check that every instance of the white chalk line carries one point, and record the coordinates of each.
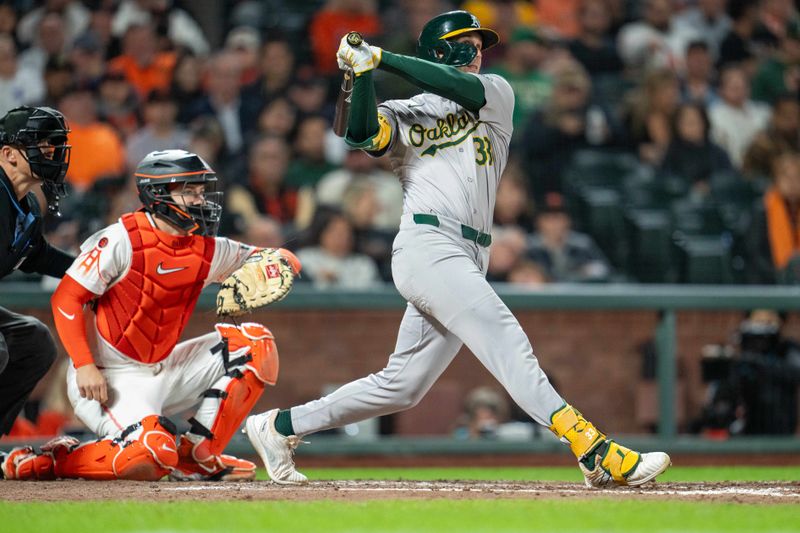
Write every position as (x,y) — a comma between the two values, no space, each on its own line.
(772,492)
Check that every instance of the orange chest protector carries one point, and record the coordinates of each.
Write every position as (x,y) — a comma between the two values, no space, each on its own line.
(144,314)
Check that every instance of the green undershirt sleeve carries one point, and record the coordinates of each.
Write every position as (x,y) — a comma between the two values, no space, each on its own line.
(362,125)
(443,80)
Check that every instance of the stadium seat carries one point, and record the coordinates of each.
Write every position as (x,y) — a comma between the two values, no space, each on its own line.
(648,235)
(598,212)
(703,259)
(691,217)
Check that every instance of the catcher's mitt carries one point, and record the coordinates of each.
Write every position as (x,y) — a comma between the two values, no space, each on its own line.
(266,277)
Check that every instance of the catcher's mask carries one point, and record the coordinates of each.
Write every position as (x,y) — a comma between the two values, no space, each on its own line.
(162,175)
(434,44)
(40,133)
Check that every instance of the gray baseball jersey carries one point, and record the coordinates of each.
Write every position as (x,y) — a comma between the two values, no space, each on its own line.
(449,161)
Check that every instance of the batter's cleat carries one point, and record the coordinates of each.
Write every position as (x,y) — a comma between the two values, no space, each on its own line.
(274,449)
(616,465)
(213,468)
(24,464)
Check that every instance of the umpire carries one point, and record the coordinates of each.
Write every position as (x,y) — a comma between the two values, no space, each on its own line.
(33,152)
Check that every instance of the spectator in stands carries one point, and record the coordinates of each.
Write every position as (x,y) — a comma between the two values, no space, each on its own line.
(245,43)
(707,19)
(279,117)
(310,162)
(782,135)
(652,42)
(144,66)
(187,86)
(691,154)
(86,58)
(507,250)
(565,254)
(58,76)
(266,191)
(780,73)
(76,19)
(308,94)
(97,150)
(330,259)
(276,71)
(264,232)
(51,41)
(568,123)
(223,101)
(773,240)
(362,207)
(100,25)
(697,81)
(18,86)
(358,166)
(528,274)
(160,132)
(735,119)
(737,46)
(561,16)
(8,19)
(175,26)
(773,19)
(649,114)
(336,18)
(593,47)
(485,411)
(207,140)
(522,67)
(118,103)
(513,206)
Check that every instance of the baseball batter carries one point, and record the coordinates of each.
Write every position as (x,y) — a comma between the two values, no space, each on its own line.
(448,146)
(143,275)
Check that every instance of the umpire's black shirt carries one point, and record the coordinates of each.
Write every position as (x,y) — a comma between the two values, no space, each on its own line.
(21,236)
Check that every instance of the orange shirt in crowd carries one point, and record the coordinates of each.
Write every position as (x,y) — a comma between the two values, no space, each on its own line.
(97,151)
(327,29)
(156,75)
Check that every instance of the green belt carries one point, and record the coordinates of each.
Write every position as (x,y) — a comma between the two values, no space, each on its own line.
(471,234)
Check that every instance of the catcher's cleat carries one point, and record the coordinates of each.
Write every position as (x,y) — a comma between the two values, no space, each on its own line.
(24,464)
(274,449)
(616,465)
(212,468)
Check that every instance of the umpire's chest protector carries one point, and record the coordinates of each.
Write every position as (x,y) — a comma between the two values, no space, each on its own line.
(143,315)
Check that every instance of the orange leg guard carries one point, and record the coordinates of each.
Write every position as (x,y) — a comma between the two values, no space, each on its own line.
(151,456)
(251,358)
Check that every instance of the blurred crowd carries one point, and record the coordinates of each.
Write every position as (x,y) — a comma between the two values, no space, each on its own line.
(655,140)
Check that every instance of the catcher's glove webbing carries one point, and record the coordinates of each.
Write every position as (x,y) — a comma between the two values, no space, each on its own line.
(266,277)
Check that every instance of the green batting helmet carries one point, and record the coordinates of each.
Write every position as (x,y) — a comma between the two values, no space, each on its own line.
(433,44)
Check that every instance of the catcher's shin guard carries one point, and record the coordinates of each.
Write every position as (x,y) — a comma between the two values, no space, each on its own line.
(251,360)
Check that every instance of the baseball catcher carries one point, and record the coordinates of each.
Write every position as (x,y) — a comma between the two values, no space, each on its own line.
(449,146)
(143,276)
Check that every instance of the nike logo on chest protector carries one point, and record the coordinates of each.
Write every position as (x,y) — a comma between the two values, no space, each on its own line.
(161,270)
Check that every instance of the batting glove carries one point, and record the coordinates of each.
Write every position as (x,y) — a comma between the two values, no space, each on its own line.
(360,59)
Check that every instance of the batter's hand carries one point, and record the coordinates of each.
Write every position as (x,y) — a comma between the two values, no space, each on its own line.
(360,59)
(92,383)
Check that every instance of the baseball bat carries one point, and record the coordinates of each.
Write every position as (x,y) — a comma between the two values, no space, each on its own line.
(342,113)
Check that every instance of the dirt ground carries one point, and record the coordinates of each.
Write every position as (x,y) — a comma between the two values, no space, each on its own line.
(67,490)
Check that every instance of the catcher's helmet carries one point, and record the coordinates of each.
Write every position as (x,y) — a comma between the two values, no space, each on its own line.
(434,45)
(160,173)
(40,133)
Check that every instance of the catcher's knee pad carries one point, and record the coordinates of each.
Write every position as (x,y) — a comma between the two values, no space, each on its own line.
(147,457)
(251,361)
(251,346)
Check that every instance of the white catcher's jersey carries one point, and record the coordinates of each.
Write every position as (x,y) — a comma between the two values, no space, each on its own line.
(115,255)
(449,159)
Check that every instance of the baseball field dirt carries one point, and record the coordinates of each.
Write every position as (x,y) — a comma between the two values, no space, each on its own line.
(774,492)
